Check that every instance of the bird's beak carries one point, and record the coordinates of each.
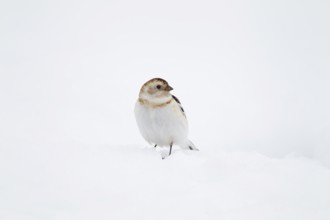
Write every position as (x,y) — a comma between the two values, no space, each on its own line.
(169,88)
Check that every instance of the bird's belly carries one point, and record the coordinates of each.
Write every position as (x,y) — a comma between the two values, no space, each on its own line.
(162,126)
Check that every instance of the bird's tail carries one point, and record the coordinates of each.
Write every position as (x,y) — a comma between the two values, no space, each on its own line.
(191,145)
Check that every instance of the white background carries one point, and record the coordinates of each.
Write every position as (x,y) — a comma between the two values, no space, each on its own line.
(253,77)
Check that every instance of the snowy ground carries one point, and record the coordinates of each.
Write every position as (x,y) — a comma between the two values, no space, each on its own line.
(133,182)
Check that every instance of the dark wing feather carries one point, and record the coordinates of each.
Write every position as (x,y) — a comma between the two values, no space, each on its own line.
(178,101)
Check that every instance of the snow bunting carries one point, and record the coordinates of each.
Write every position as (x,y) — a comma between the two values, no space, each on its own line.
(160,116)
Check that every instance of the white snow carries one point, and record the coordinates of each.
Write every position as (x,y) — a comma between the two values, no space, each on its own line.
(133,182)
(252,76)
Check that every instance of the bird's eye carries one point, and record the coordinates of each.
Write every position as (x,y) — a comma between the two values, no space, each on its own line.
(158,86)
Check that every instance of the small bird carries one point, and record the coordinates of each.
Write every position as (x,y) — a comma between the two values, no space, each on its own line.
(160,116)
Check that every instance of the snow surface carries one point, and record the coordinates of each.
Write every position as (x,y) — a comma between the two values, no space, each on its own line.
(252,76)
(133,182)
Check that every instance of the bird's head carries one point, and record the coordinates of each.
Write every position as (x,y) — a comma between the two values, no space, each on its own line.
(155,89)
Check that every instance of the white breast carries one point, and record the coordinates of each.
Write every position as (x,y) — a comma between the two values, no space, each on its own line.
(162,125)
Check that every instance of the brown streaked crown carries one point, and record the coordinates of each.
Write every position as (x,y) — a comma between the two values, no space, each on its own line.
(155,80)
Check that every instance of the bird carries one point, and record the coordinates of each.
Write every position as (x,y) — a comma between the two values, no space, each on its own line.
(160,116)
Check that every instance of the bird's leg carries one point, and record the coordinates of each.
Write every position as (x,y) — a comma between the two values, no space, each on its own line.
(169,152)
(170,149)
(155,145)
